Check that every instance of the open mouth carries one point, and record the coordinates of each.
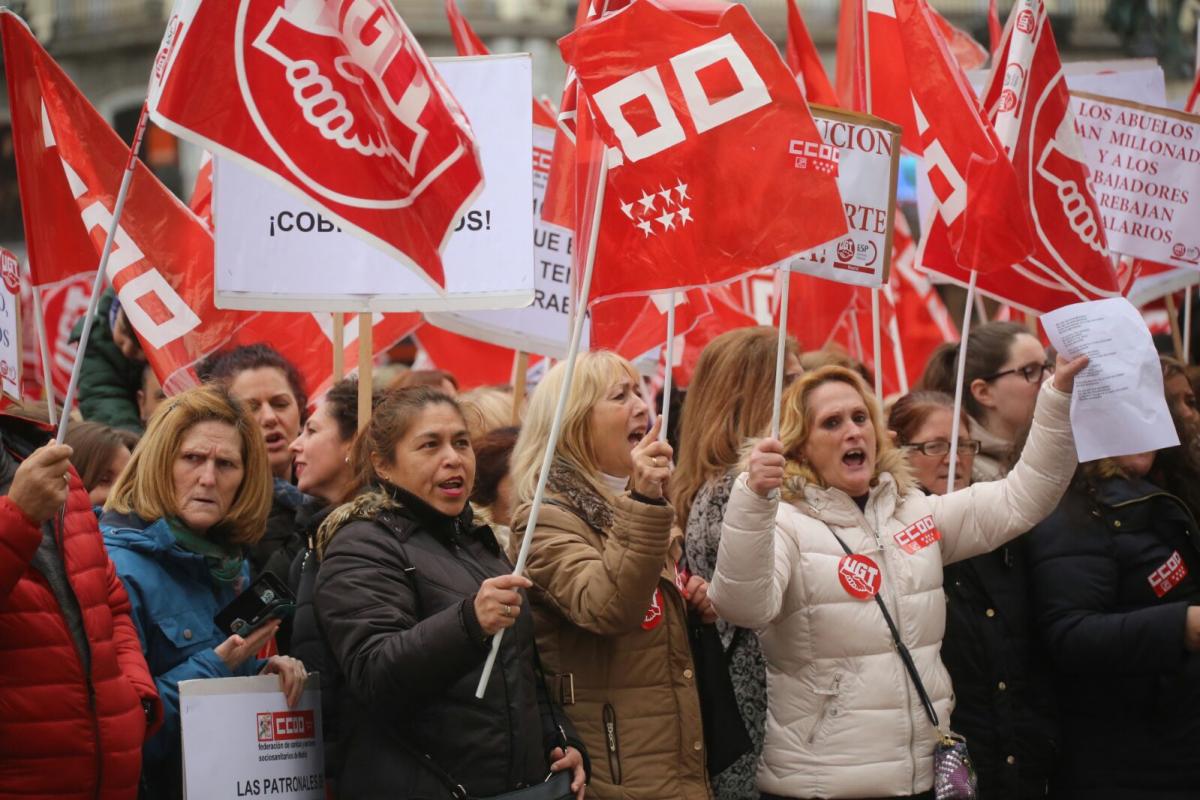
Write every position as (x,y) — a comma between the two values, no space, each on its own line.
(298,467)
(274,439)
(453,487)
(854,458)
(635,436)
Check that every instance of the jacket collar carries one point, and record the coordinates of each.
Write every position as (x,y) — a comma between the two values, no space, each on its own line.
(835,507)
(152,538)
(1117,491)
(989,444)
(393,507)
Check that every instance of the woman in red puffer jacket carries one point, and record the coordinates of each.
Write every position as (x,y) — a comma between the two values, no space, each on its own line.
(76,698)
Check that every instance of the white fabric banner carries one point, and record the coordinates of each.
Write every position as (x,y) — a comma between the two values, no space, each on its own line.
(542,327)
(866,154)
(241,740)
(10,325)
(274,251)
(1145,165)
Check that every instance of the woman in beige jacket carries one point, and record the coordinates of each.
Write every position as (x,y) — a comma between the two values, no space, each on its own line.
(610,605)
(844,719)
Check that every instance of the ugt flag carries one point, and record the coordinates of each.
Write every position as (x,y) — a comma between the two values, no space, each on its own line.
(333,98)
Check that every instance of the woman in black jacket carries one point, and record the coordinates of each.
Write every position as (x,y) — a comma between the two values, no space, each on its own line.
(408,596)
(1116,578)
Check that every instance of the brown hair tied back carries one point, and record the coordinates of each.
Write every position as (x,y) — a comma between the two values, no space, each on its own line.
(989,348)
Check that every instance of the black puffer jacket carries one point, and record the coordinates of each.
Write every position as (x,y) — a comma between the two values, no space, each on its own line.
(395,600)
(1004,702)
(1114,571)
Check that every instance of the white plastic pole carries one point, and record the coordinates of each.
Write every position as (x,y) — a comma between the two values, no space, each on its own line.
(39,322)
(668,370)
(559,410)
(877,344)
(98,284)
(956,423)
(780,351)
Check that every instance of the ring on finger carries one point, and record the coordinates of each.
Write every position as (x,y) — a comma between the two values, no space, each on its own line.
(508,611)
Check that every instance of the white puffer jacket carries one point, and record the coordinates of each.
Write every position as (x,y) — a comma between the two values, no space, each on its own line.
(843,718)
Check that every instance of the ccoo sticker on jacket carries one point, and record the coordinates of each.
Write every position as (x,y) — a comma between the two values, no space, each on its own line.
(918,536)
(1169,575)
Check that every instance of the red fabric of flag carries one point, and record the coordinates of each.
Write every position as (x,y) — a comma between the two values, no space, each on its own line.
(805,62)
(342,107)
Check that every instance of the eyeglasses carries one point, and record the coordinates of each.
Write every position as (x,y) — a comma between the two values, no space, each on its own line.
(1030,372)
(939,447)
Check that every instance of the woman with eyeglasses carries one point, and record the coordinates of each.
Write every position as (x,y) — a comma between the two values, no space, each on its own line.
(1005,367)
(1003,706)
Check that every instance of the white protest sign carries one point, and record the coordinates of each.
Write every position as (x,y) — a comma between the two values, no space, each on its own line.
(541,327)
(1138,79)
(275,251)
(1118,407)
(866,152)
(10,325)
(1145,165)
(240,739)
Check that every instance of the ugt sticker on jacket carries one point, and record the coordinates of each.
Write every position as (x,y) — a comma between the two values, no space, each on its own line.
(240,739)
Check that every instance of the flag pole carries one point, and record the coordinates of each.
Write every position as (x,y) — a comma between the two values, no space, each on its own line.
(780,351)
(956,423)
(339,346)
(856,336)
(98,283)
(897,345)
(668,369)
(366,371)
(585,288)
(519,379)
(39,322)
(1187,325)
(877,343)
(1173,318)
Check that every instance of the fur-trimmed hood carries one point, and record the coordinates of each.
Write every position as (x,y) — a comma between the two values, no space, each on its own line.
(379,501)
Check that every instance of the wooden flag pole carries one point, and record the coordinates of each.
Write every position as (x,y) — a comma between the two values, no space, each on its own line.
(956,423)
(39,322)
(780,351)
(1173,318)
(339,346)
(1187,325)
(877,344)
(519,379)
(585,288)
(366,368)
(98,283)
(897,345)
(668,370)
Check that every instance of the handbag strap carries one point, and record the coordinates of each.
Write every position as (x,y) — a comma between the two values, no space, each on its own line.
(901,648)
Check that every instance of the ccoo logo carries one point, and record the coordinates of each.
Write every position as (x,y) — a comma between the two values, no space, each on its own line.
(329,82)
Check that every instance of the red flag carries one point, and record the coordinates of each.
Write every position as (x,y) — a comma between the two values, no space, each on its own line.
(1028,103)
(631,326)
(342,107)
(995,32)
(472,362)
(727,314)
(201,202)
(968,53)
(465,40)
(162,261)
(1192,105)
(804,61)
(701,121)
(850,72)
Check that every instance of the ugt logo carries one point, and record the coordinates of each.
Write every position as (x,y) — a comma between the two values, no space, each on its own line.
(329,81)
(9,272)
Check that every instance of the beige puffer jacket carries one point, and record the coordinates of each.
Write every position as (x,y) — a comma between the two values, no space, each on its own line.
(843,719)
(612,632)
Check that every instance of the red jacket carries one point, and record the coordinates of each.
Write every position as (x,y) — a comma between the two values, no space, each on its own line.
(64,734)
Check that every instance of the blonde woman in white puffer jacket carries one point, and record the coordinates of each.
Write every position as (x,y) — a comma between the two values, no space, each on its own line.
(844,719)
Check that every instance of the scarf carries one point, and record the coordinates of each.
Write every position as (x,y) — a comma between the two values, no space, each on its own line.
(224,561)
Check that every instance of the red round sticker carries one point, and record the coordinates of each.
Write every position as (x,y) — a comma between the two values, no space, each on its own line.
(860,576)
(654,614)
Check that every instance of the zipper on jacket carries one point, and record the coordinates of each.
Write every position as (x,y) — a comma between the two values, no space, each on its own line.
(827,696)
(612,743)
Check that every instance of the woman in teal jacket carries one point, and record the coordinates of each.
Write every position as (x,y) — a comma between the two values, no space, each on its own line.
(194,495)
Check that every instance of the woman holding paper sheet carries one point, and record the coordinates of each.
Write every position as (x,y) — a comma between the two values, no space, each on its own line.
(610,604)
(408,596)
(1116,579)
(846,719)
(177,524)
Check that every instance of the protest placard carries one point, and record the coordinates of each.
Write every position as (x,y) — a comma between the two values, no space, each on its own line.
(274,251)
(10,325)
(541,327)
(864,153)
(1145,171)
(240,739)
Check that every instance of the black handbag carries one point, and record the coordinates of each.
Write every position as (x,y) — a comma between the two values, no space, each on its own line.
(725,737)
(954,775)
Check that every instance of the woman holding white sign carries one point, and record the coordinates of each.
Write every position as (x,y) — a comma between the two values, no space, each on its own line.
(177,524)
(409,594)
(843,582)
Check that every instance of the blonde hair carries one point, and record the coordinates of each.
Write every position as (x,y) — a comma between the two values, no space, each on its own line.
(728,402)
(147,487)
(595,373)
(796,422)
(486,408)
